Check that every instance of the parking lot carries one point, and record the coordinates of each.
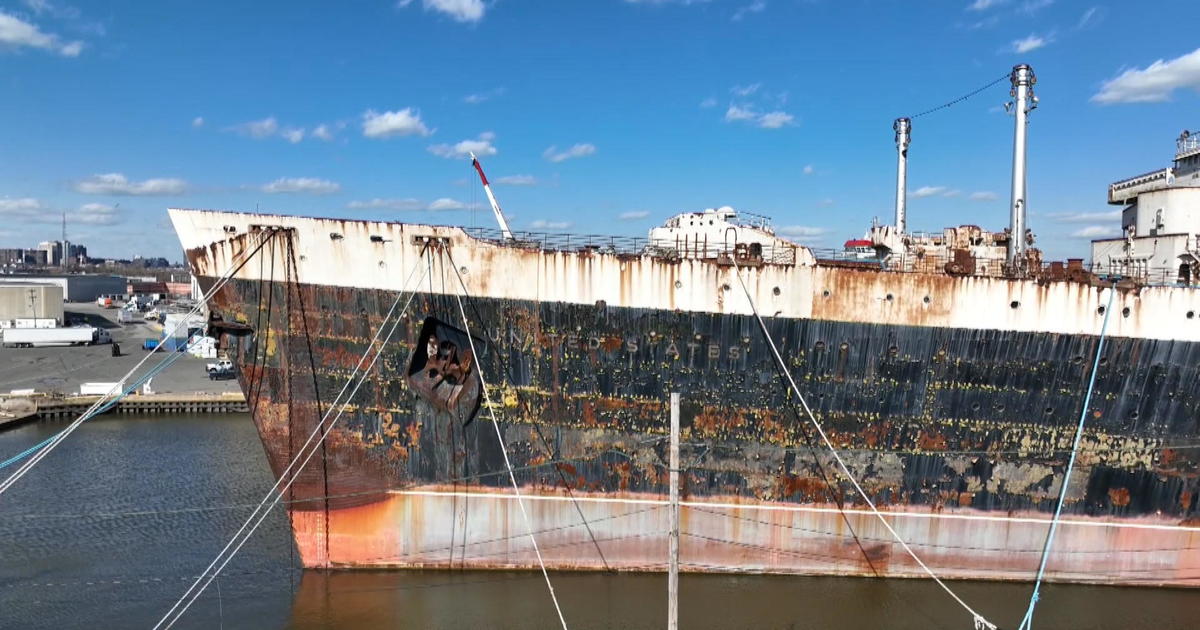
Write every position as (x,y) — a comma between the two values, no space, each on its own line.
(62,369)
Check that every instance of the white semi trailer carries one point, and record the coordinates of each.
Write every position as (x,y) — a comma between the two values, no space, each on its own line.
(38,337)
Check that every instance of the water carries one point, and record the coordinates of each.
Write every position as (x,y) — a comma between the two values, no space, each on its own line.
(107,530)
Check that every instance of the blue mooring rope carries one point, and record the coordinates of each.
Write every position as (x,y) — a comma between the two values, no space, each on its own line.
(99,410)
(1027,621)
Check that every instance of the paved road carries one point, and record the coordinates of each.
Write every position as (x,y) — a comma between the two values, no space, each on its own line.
(63,369)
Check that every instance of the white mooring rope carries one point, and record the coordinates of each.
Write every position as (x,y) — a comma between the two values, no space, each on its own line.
(981,623)
(504,448)
(273,496)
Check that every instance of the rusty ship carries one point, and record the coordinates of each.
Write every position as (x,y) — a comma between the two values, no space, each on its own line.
(948,368)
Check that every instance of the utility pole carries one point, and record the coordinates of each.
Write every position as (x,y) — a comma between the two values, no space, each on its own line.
(673,572)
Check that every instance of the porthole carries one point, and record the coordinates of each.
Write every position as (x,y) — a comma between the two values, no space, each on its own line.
(1100,311)
(974,406)
(825,293)
(1014,304)
(678,284)
(1191,314)
(844,347)
(776,291)
(463,270)
(890,297)
(725,287)
(1125,312)
(819,346)
(925,299)
(1049,410)
(893,350)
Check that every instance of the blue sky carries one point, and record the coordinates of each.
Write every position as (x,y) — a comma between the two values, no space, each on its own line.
(596,116)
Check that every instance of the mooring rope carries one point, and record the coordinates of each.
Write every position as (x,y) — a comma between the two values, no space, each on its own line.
(275,494)
(42,450)
(1027,621)
(981,623)
(500,438)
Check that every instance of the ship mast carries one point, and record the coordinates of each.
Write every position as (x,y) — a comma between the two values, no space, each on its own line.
(903,127)
(487,188)
(1023,81)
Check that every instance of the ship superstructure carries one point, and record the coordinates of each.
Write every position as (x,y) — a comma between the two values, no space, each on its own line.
(1160,221)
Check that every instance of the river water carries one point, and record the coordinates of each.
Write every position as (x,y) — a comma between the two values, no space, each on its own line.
(110,529)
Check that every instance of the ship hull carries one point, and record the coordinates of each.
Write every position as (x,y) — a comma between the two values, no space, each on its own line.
(959,435)
(953,400)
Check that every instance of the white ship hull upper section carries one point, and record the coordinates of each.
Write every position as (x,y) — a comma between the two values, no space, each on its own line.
(380,255)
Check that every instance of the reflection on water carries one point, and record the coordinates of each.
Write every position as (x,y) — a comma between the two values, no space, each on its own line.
(107,530)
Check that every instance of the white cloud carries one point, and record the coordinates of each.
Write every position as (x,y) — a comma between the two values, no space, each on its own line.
(769,120)
(118,184)
(1030,7)
(928,191)
(446,203)
(16,33)
(1096,231)
(633,215)
(708,102)
(983,195)
(386,204)
(1090,18)
(808,169)
(579,150)
(983,5)
(22,204)
(305,185)
(292,134)
(1033,42)
(1155,83)
(517,180)
(745,90)
(802,231)
(405,122)
(259,129)
(775,120)
(1084,217)
(458,10)
(28,209)
(482,97)
(952,193)
(758,6)
(826,202)
(481,146)
(322,132)
(198,121)
(94,214)
(542,224)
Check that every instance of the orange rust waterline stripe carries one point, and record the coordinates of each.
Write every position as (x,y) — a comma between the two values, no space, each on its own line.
(800,508)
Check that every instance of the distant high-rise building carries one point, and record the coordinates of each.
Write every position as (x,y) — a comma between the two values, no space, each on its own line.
(53,251)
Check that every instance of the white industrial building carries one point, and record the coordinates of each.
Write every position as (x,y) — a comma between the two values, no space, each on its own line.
(75,287)
(31,305)
(1160,223)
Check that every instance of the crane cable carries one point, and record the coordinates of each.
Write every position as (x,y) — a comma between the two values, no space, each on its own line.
(981,623)
(275,494)
(500,438)
(115,393)
(1027,621)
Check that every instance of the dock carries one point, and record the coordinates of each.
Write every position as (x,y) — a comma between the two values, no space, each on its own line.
(17,411)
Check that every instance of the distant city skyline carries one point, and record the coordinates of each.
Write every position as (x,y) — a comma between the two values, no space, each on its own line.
(595,117)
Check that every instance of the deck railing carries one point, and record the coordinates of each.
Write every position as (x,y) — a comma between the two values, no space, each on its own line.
(781,254)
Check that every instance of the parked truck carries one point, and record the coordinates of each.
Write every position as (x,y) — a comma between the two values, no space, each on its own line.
(39,337)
